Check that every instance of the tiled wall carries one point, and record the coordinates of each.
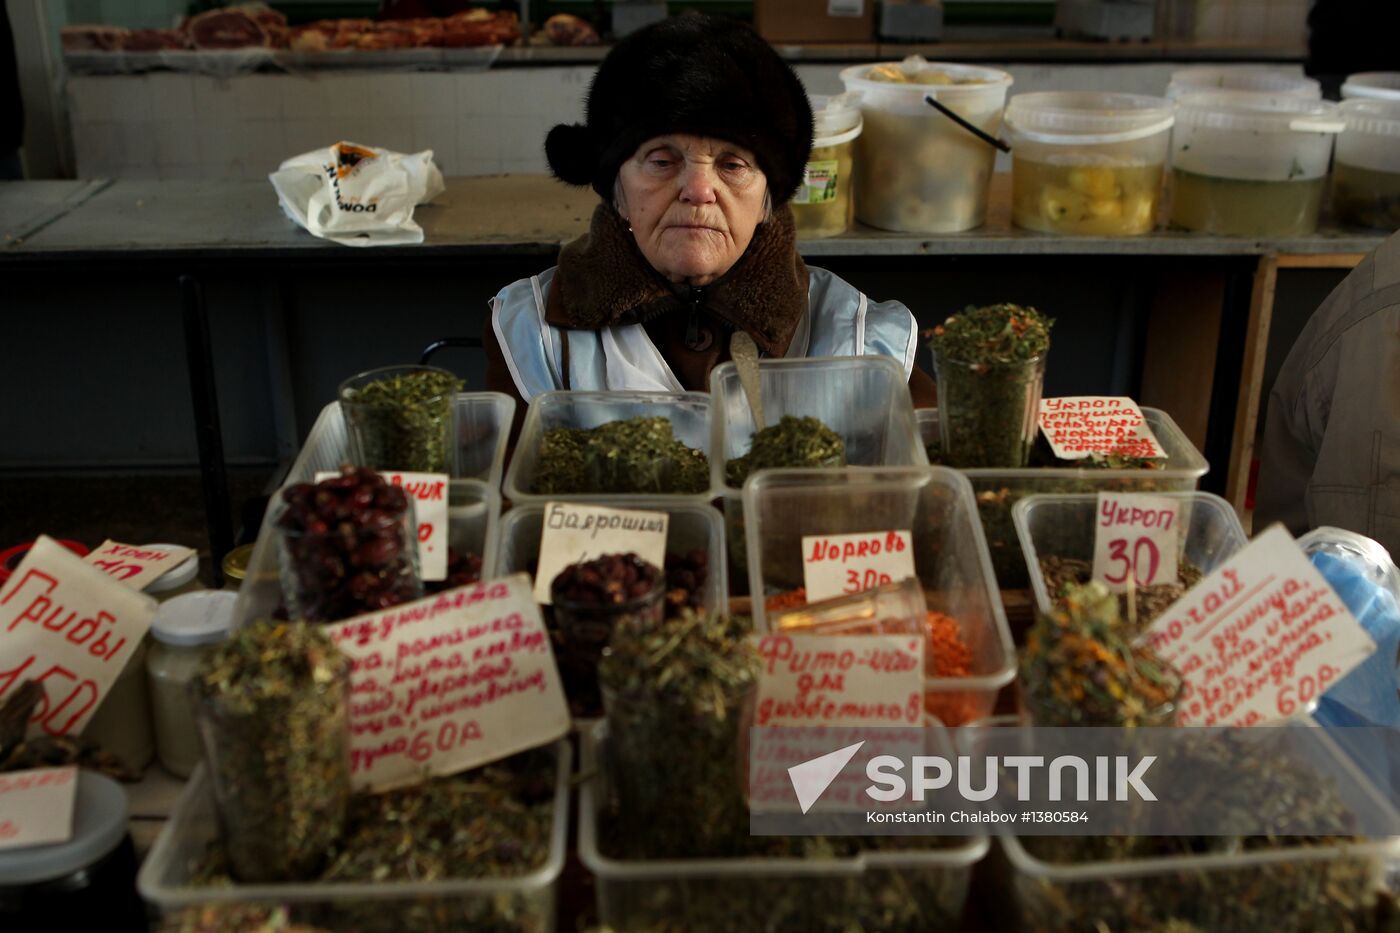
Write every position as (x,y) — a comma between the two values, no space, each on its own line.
(170,126)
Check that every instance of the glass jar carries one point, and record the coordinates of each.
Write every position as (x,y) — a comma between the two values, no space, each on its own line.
(86,883)
(410,433)
(988,413)
(183,631)
(235,566)
(182,579)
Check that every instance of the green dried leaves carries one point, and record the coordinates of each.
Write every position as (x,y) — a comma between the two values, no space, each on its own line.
(792,442)
(403,421)
(637,455)
(1064,575)
(996,335)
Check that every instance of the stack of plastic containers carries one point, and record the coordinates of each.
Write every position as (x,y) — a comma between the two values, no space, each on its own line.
(1270,80)
(1088,163)
(917,170)
(1366,173)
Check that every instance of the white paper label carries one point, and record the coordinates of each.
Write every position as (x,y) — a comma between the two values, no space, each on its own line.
(840,680)
(449,682)
(574,533)
(72,628)
(1079,426)
(839,565)
(36,806)
(845,7)
(137,567)
(1260,638)
(1135,536)
(429,494)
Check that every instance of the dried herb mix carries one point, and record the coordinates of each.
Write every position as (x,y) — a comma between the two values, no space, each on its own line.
(403,421)
(1080,668)
(1064,574)
(346,547)
(792,442)
(989,362)
(637,455)
(272,707)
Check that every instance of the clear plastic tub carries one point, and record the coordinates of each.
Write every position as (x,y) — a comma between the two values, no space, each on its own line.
(1255,79)
(998,490)
(481,422)
(1373,85)
(1208,892)
(524,903)
(1249,164)
(1063,526)
(950,558)
(473,509)
(688,412)
(742,894)
(1087,163)
(1366,172)
(865,399)
(917,171)
(825,204)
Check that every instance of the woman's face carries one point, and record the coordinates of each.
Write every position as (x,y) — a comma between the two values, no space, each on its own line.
(693,203)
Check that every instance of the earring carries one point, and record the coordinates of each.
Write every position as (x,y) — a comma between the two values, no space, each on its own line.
(629,228)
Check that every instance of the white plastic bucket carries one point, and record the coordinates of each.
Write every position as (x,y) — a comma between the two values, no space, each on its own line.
(1257,79)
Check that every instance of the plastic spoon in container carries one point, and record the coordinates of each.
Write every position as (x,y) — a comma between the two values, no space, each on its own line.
(745,355)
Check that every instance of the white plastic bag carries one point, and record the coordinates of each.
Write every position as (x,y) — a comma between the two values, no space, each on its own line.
(358,195)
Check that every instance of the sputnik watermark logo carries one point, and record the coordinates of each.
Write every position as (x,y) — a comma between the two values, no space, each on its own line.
(811,778)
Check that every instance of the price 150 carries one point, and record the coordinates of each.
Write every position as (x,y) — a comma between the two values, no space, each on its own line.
(1140,557)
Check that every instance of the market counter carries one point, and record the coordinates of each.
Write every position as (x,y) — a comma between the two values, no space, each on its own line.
(1201,357)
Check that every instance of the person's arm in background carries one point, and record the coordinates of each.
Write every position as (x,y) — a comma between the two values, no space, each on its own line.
(922,389)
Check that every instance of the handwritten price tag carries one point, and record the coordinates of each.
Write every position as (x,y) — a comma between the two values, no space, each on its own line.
(1079,426)
(429,494)
(1135,536)
(838,565)
(1260,638)
(449,682)
(574,533)
(72,628)
(36,806)
(840,680)
(137,567)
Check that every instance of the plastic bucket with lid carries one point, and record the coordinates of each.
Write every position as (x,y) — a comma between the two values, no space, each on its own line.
(825,206)
(917,171)
(1251,164)
(1366,173)
(1372,85)
(1087,163)
(1256,79)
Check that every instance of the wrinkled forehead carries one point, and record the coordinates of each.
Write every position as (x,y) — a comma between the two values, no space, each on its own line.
(693,146)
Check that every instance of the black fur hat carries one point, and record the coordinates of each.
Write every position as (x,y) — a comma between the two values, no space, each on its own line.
(689,74)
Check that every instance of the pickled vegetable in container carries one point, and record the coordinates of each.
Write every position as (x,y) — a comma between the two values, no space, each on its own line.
(1087,163)
(1366,172)
(916,170)
(824,205)
(1372,85)
(1249,164)
(1272,80)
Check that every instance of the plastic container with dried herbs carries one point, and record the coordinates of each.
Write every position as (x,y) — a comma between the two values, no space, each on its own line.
(676,698)
(808,883)
(608,447)
(400,418)
(272,704)
(1060,529)
(936,505)
(346,546)
(997,490)
(448,869)
(990,365)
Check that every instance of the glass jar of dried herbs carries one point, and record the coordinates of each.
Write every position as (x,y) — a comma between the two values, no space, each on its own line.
(634,455)
(272,705)
(346,546)
(990,365)
(792,442)
(400,418)
(676,698)
(1079,667)
(593,598)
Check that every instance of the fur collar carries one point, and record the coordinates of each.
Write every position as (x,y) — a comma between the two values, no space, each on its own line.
(603,280)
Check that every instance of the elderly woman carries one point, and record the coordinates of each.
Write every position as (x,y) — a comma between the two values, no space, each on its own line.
(697,136)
